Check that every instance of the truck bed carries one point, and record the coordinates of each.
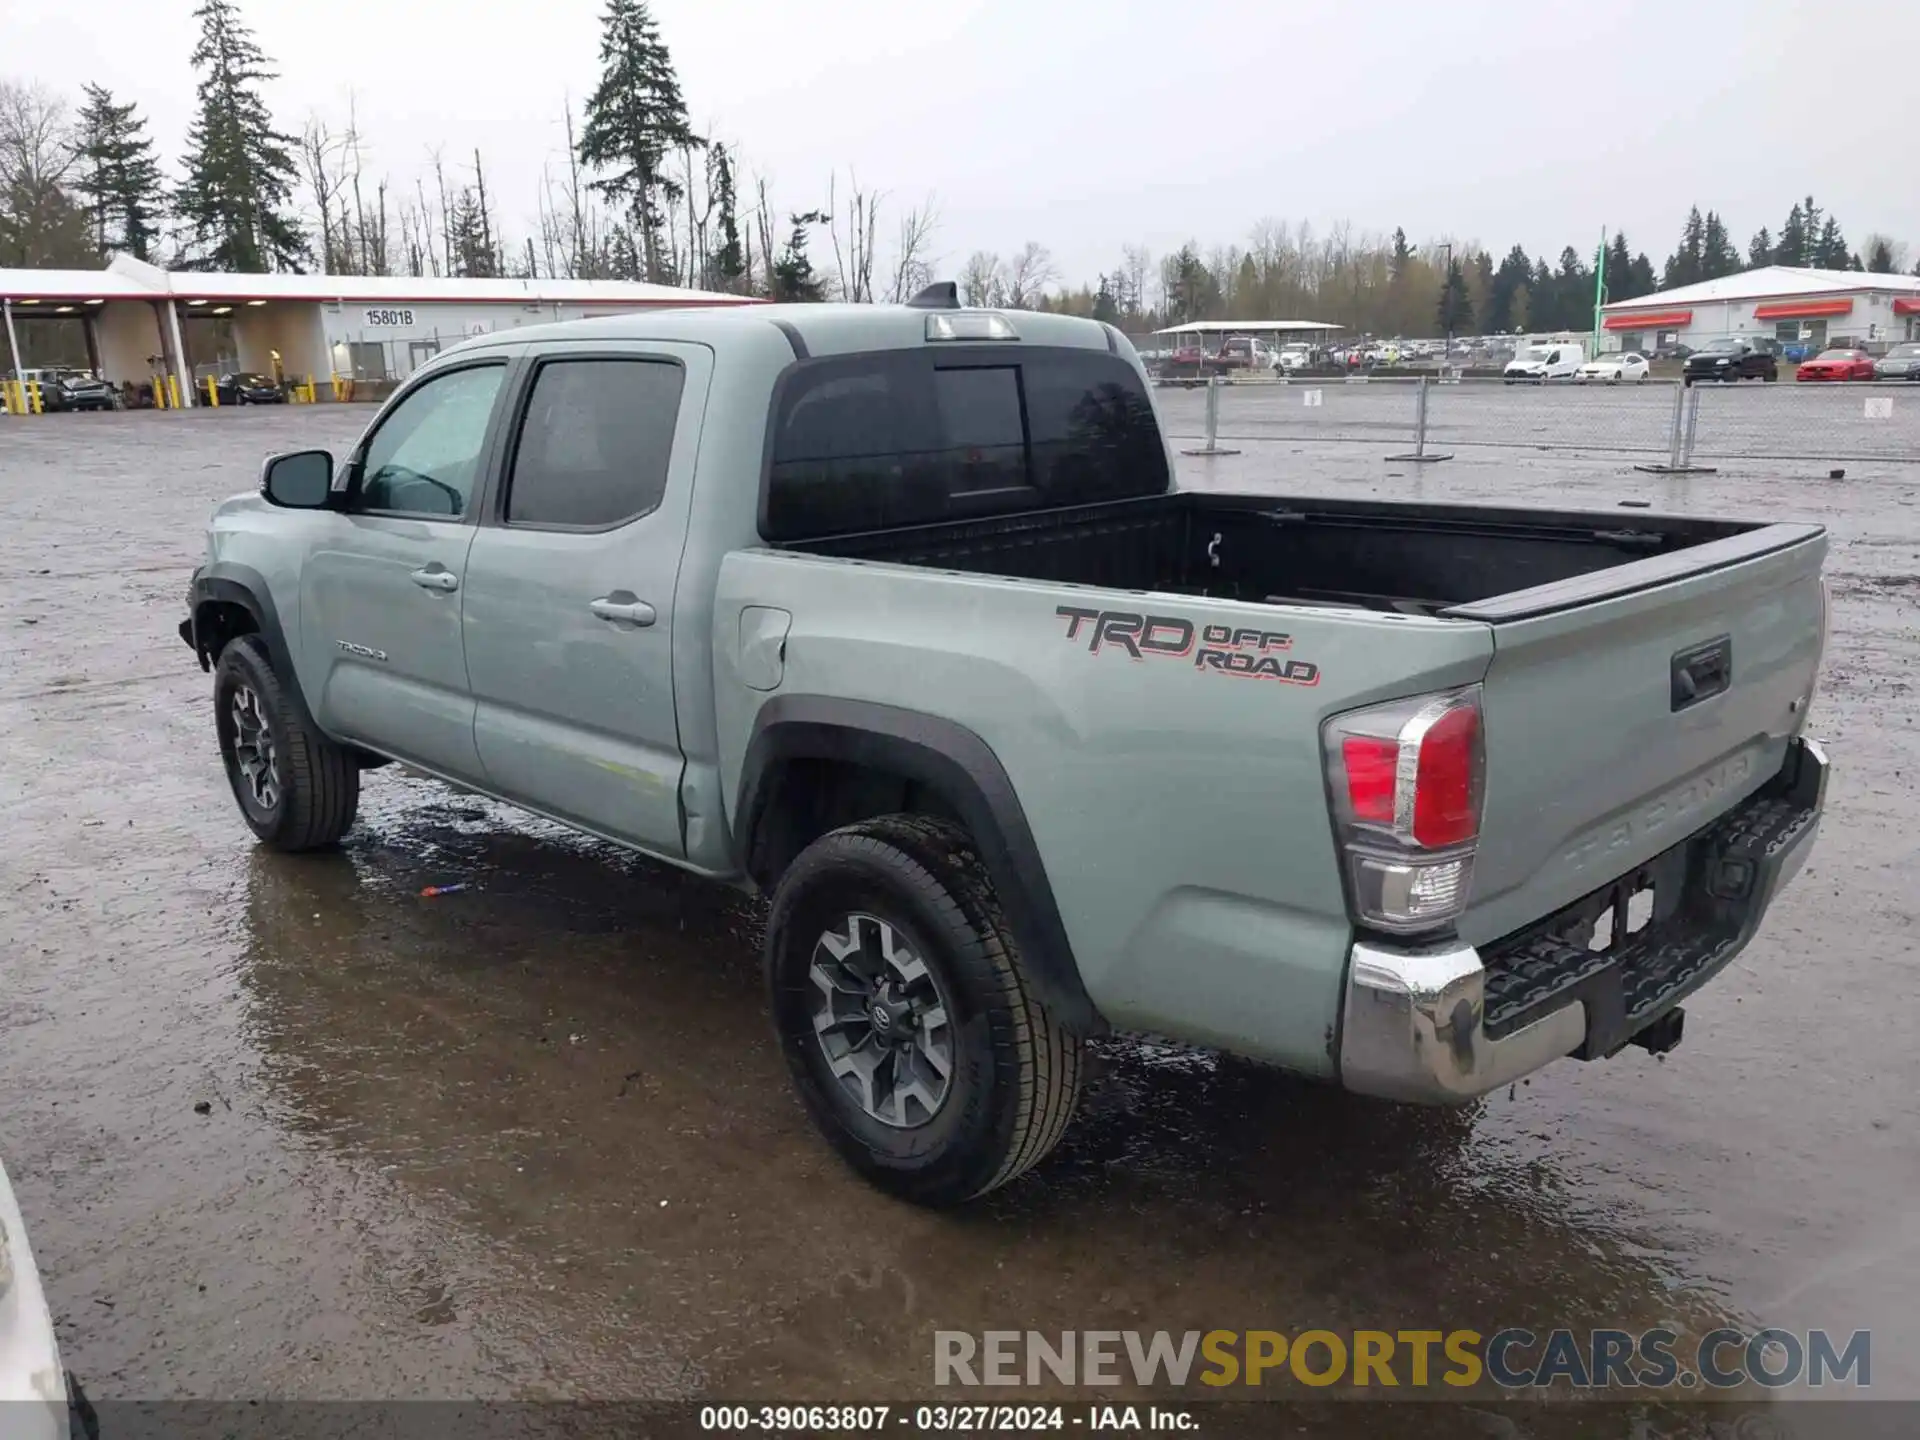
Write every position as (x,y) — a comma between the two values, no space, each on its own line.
(1467,561)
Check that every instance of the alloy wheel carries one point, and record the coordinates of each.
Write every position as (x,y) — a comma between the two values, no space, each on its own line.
(882,1020)
(253,748)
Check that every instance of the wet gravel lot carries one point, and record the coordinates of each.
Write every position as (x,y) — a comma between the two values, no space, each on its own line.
(534,1140)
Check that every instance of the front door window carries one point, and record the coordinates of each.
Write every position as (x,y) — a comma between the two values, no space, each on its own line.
(425,457)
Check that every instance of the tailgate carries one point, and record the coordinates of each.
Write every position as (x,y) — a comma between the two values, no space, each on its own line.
(1627,709)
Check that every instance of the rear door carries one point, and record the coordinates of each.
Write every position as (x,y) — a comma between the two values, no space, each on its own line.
(1617,727)
(570,588)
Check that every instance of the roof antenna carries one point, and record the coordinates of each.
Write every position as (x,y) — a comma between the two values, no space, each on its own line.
(941,295)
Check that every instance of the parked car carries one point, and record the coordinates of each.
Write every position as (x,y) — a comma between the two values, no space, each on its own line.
(1902,362)
(1837,365)
(1612,369)
(1294,357)
(1731,360)
(697,600)
(33,1384)
(66,389)
(1543,364)
(247,388)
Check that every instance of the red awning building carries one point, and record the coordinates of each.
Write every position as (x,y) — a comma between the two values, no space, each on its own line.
(1782,303)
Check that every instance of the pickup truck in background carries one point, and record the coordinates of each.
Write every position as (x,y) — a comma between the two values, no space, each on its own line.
(896,615)
(1732,360)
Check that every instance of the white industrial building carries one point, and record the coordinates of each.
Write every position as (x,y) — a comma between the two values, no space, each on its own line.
(139,322)
(1815,308)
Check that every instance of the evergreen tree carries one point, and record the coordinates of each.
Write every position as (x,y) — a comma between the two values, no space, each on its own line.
(1455,312)
(1760,249)
(1718,257)
(1792,248)
(793,276)
(1480,283)
(1105,307)
(1880,259)
(1513,275)
(1619,267)
(727,265)
(1687,265)
(1544,306)
(119,175)
(1402,255)
(470,238)
(1830,248)
(1643,280)
(240,170)
(1192,291)
(635,119)
(1573,290)
(1800,236)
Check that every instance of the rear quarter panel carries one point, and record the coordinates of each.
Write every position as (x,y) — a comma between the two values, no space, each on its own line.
(1180,811)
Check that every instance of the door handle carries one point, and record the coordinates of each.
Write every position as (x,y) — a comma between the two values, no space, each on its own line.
(436,577)
(623,605)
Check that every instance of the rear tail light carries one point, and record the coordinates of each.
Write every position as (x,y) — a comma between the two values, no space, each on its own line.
(1407,781)
(1826,635)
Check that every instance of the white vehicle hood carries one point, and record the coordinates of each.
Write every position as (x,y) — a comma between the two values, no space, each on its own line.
(29,1355)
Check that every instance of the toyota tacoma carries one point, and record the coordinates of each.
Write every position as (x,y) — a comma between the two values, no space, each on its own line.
(896,615)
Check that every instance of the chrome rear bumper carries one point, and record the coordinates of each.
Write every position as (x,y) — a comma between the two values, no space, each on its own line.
(1415,1022)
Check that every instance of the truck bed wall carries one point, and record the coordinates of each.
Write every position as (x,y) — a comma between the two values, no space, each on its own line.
(1264,548)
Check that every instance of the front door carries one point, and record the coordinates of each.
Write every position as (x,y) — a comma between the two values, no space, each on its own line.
(569,610)
(380,591)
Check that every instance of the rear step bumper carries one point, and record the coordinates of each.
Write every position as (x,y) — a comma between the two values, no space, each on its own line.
(1443,1024)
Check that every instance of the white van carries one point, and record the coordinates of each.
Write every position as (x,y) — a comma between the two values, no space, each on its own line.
(1539,364)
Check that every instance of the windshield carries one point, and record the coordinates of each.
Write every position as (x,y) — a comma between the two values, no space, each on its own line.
(1840,355)
(1537,352)
(1719,347)
(251,380)
(1904,352)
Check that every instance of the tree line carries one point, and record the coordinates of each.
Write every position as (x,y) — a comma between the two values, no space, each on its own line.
(642,195)
(1384,285)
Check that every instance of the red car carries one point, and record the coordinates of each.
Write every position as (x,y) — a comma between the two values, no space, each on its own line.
(1837,365)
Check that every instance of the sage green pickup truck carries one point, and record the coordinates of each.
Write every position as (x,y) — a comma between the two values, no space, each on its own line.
(896,615)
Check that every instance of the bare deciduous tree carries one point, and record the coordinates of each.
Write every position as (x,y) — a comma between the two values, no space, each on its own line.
(912,252)
(323,156)
(1027,276)
(853,231)
(40,223)
(982,280)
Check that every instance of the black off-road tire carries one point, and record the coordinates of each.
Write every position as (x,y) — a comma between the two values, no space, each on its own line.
(1016,1069)
(318,789)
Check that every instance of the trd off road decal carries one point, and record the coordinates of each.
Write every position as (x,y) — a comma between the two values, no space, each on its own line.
(1220,649)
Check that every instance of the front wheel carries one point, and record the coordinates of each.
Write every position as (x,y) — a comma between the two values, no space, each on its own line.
(296,789)
(908,1021)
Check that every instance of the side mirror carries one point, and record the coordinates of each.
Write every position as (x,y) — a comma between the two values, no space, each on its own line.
(302,480)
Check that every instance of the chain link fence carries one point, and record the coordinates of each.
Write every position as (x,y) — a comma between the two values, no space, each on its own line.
(1660,424)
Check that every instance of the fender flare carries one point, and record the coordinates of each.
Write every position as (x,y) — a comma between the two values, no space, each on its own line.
(962,769)
(226,582)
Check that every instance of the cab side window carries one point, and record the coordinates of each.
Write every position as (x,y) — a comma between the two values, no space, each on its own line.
(425,458)
(595,444)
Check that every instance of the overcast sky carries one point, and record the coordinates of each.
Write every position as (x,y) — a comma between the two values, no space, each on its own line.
(1088,124)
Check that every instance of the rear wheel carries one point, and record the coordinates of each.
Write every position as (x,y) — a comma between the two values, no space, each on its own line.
(909,1025)
(296,789)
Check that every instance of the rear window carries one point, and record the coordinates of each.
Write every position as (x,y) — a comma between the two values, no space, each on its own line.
(910,437)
